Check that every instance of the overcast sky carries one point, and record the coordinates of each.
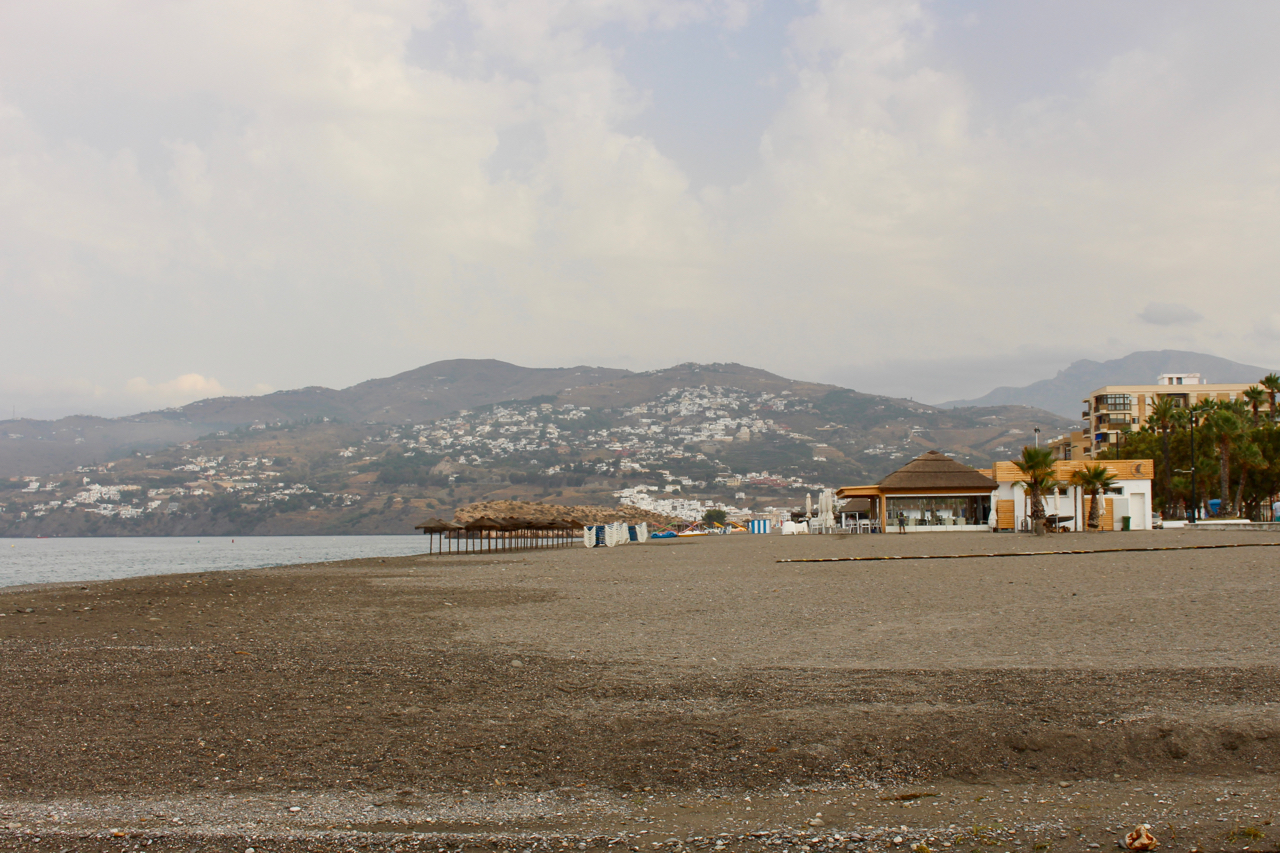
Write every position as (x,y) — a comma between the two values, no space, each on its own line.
(927,199)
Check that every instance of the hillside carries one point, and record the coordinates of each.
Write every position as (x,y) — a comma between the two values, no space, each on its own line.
(668,440)
(418,395)
(43,447)
(1062,394)
(37,448)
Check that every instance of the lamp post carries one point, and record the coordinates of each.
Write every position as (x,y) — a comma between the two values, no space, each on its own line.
(1037,438)
(1195,506)
(1195,509)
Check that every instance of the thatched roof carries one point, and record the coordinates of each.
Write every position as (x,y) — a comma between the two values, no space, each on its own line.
(483,523)
(437,525)
(934,470)
(856,505)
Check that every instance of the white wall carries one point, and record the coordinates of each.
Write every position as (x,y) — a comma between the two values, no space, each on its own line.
(1137,492)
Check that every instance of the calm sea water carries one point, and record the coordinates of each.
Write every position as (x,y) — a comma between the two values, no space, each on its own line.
(24,561)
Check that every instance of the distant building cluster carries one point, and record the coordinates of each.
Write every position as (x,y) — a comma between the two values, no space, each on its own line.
(675,426)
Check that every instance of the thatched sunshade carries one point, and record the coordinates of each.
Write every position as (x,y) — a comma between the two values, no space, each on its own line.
(859,505)
(442,528)
(437,525)
(565,530)
(482,525)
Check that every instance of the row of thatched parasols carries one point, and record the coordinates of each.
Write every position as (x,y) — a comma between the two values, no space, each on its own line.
(493,534)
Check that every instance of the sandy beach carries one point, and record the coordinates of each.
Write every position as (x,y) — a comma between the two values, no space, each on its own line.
(693,694)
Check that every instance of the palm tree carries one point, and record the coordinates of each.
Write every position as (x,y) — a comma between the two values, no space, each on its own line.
(1251,459)
(1224,427)
(1254,396)
(1036,466)
(1271,382)
(1096,479)
(1162,417)
(1198,415)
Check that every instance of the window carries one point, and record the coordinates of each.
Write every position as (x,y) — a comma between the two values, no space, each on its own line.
(1113,402)
(940,510)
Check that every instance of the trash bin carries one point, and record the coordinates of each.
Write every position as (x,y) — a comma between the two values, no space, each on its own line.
(1124,522)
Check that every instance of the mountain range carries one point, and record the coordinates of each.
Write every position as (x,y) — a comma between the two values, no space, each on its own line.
(425,394)
(1063,393)
(381,455)
(38,447)
(420,396)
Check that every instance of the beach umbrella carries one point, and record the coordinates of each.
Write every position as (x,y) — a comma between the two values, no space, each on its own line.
(826,503)
(439,527)
(808,504)
(480,525)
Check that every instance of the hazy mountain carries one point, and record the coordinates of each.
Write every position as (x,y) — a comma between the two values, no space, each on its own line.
(35,447)
(1063,393)
(29,446)
(634,388)
(865,433)
(418,395)
(381,462)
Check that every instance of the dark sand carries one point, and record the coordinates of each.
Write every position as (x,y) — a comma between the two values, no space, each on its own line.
(563,693)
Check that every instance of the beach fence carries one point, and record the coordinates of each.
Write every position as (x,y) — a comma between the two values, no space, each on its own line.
(614,534)
(491,535)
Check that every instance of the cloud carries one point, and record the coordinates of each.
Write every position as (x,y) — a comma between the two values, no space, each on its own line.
(184,389)
(29,396)
(1169,314)
(1266,326)
(318,193)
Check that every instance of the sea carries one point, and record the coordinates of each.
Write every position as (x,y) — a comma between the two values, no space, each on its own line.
(58,560)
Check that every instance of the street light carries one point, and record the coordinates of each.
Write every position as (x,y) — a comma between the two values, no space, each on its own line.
(1194,502)
(1195,508)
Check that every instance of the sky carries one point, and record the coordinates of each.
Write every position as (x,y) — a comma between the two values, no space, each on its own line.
(924,199)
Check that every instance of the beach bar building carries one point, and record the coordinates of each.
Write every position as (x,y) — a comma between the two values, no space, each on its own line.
(933,492)
(1068,506)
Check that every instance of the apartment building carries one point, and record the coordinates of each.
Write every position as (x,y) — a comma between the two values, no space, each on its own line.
(1113,409)
(1076,445)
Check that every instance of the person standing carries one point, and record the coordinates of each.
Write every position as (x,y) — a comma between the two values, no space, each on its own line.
(902,522)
